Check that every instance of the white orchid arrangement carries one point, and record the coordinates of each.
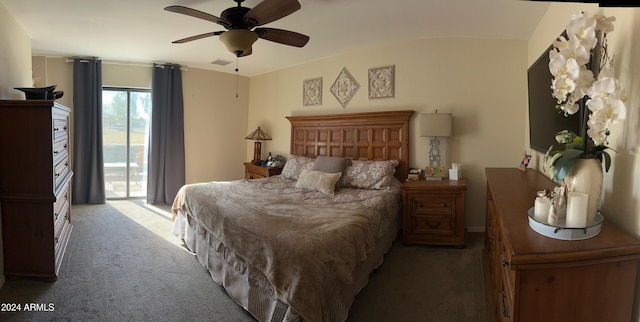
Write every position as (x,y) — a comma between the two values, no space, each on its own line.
(574,82)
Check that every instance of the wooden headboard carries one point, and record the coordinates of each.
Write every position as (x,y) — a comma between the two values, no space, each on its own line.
(359,136)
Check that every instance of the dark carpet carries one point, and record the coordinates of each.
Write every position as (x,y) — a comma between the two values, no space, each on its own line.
(123,264)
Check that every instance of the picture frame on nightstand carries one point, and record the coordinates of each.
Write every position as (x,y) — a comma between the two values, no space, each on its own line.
(434,172)
(415,175)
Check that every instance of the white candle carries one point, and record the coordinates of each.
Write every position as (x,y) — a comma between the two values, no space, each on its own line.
(541,209)
(577,210)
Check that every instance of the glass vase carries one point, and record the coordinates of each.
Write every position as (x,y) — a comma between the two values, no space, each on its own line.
(586,176)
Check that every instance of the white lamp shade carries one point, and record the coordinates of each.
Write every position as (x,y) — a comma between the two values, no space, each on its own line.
(435,124)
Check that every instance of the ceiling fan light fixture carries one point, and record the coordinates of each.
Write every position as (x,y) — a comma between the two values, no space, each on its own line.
(238,41)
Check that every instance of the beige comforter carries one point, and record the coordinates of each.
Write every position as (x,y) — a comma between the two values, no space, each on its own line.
(307,244)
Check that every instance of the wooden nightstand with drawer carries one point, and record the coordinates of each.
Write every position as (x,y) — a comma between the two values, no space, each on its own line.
(433,212)
(255,171)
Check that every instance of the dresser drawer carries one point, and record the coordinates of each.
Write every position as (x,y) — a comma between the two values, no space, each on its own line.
(436,225)
(505,306)
(60,171)
(60,220)
(508,274)
(61,199)
(60,122)
(441,205)
(61,239)
(60,128)
(60,149)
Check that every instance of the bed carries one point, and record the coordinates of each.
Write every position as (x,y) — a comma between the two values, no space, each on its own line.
(299,246)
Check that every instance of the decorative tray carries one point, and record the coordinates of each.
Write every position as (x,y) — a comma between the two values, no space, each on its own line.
(565,233)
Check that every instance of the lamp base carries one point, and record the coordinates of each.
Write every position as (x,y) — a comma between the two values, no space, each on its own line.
(433,178)
(257,152)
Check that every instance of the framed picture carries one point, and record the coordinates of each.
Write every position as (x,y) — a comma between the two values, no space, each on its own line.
(434,172)
(414,175)
(312,91)
(344,87)
(382,82)
(525,162)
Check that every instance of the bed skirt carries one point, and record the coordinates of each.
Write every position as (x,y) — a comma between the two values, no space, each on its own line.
(251,289)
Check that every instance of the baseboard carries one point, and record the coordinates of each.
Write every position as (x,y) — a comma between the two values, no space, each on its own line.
(475,229)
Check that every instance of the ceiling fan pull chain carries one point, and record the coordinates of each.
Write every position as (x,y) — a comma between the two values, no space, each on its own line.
(237,77)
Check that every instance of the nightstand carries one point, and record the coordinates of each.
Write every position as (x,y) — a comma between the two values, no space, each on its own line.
(433,212)
(254,171)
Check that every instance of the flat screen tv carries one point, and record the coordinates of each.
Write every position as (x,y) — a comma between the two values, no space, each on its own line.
(544,120)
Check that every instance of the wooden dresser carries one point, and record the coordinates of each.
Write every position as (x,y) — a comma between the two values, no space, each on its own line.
(433,212)
(531,277)
(35,187)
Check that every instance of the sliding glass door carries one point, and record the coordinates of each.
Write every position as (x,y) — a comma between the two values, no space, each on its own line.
(126,114)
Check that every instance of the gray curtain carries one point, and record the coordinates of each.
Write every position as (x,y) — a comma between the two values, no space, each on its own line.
(166,146)
(88,166)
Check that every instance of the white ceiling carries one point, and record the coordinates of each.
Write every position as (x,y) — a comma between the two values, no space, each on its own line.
(141,31)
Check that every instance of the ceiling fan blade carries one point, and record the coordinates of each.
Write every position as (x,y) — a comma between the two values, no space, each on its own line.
(270,10)
(285,37)
(196,13)
(196,37)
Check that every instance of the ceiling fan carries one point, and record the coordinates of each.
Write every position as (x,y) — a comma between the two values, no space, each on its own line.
(241,23)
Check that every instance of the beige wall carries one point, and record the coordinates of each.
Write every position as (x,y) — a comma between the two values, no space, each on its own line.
(215,125)
(215,120)
(481,82)
(15,57)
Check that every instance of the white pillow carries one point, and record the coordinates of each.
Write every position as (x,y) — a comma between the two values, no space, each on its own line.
(318,181)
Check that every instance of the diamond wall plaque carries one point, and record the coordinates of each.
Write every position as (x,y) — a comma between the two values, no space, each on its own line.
(382,82)
(312,91)
(344,87)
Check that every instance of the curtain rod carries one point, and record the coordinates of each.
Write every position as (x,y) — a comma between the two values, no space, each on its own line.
(125,62)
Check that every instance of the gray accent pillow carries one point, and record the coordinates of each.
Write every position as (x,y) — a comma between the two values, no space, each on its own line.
(330,164)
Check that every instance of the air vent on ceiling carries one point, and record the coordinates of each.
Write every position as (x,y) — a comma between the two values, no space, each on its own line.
(221,62)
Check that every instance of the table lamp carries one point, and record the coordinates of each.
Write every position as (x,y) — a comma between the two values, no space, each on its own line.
(258,135)
(435,125)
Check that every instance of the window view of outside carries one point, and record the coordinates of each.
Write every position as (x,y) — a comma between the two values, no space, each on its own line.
(125,124)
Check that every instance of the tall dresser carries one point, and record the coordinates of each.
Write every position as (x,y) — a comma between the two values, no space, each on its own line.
(531,277)
(35,187)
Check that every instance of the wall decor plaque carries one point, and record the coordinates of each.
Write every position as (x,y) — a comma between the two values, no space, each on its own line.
(382,82)
(344,87)
(312,91)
